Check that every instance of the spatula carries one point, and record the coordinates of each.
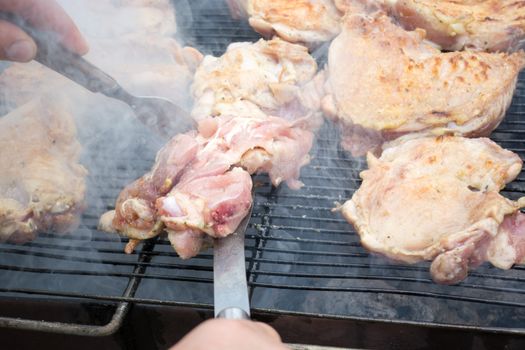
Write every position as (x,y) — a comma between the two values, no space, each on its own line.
(160,114)
(230,288)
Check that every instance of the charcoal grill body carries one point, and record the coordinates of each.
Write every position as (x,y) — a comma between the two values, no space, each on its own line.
(308,275)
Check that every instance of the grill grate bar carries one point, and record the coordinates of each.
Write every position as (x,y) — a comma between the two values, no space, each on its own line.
(433,295)
(419,280)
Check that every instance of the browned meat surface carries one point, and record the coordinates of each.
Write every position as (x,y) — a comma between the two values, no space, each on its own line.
(384,82)
(42,184)
(438,199)
(118,20)
(273,75)
(298,21)
(493,25)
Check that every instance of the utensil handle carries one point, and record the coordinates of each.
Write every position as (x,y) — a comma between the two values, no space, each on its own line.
(233,313)
(51,53)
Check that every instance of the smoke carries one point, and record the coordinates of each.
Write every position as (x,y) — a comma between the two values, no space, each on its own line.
(135,45)
(132,41)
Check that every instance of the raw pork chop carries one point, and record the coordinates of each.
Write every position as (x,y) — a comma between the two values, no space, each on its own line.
(273,75)
(42,184)
(384,82)
(438,199)
(493,25)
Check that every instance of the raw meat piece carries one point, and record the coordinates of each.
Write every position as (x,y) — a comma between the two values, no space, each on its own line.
(197,186)
(135,215)
(438,199)
(492,25)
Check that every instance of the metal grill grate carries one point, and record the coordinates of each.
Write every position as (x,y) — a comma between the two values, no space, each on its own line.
(301,257)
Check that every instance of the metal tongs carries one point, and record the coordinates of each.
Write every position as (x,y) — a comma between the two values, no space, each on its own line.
(230,288)
(160,114)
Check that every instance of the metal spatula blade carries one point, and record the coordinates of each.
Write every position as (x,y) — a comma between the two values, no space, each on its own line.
(230,288)
(161,115)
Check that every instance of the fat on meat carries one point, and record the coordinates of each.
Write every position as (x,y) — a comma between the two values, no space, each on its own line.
(383,83)
(42,183)
(437,199)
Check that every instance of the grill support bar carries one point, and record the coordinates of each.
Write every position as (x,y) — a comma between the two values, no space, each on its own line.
(110,328)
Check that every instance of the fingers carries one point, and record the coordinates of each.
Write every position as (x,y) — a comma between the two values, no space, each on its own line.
(48,15)
(15,45)
(221,334)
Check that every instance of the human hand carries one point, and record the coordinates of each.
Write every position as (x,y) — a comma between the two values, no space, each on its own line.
(221,334)
(16,45)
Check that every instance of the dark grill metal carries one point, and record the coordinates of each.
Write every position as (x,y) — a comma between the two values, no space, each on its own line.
(302,258)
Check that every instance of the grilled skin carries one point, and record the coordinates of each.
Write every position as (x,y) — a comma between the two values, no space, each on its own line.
(394,83)
(488,25)
(298,21)
(42,184)
(438,199)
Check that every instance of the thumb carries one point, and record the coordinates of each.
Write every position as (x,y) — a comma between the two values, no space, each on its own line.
(15,44)
(265,329)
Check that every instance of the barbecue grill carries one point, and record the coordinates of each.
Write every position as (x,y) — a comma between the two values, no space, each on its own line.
(308,275)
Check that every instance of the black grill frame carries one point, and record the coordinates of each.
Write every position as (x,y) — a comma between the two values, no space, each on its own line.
(331,177)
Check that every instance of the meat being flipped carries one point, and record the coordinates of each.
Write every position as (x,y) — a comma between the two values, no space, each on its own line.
(384,83)
(275,76)
(310,22)
(42,184)
(200,185)
(488,25)
(437,199)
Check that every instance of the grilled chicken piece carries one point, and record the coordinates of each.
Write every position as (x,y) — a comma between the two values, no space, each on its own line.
(42,184)
(488,25)
(198,187)
(393,83)
(274,75)
(298,21)
(437,198)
